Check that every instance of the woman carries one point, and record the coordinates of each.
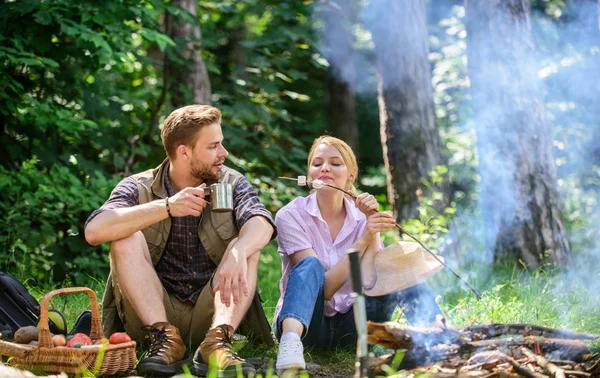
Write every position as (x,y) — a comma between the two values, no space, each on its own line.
(315,307)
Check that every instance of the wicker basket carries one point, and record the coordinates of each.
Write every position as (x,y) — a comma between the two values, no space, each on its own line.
(107,359)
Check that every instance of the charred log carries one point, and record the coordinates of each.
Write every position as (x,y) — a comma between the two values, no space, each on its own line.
(495,330)
(532,351)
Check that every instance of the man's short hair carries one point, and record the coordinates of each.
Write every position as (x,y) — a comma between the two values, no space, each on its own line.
(183,124)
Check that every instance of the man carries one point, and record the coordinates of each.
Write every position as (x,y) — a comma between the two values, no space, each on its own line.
(182,272)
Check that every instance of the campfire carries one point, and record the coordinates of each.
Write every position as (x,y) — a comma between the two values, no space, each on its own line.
(495,350)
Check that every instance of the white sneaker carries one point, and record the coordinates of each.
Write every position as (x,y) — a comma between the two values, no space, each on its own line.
(290,355)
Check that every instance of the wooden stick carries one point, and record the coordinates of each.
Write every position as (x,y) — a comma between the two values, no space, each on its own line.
(500,356)
(506,374)
(577,373)
(548,366)
(496,330)
(477,294)
(570,349)
(397,336)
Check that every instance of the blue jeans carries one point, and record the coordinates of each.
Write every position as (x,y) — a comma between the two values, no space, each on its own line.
(304,301)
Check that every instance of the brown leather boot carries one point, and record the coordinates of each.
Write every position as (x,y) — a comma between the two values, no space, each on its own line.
(217,351)
(166,353)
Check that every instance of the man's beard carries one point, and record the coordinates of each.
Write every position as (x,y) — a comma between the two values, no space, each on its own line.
(203,172)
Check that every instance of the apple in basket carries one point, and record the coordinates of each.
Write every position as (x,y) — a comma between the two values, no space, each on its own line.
(78,340)
(59,340)
(119,338)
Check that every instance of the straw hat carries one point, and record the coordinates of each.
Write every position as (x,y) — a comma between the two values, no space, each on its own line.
(400,266)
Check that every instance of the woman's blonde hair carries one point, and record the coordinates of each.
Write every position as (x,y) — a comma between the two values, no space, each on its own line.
(346,152)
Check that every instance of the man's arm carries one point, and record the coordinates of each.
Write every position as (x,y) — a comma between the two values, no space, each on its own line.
(253,236)
(120,223)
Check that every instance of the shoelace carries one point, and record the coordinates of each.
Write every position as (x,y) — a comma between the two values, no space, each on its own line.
(160,336)
(227,342)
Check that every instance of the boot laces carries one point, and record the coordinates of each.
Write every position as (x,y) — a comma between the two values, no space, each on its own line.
(160,340)
(227,342)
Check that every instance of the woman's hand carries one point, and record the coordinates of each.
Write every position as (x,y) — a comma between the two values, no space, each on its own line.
(366,203)
(379,222)
(376,223)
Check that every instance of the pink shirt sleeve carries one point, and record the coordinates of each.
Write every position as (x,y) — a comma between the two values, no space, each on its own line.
(292,236)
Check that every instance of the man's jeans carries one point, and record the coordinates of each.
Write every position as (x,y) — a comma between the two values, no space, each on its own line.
(304,301)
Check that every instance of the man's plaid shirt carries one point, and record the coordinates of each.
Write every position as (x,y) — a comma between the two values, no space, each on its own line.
(185,266)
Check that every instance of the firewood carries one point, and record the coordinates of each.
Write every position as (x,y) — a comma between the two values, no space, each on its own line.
(495,330)
(396,336)
(471,374)
(548,366)
(577,373)
(569,349)
(504,357)
(499,356)
(507,374)
(592,363)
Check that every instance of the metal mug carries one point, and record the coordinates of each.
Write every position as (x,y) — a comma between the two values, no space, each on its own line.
(221,197)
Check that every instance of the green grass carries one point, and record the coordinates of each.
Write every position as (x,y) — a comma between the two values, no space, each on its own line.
(510,295)
(518,296)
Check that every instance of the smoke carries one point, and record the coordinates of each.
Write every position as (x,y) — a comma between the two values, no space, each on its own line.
(564,75)
(346,43)
(570,74)
(337,40)
(567,69)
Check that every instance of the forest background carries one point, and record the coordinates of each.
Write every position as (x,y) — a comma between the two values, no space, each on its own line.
(476,123)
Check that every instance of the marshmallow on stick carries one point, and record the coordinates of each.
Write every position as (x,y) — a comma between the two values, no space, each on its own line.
(318,184)
(301,180)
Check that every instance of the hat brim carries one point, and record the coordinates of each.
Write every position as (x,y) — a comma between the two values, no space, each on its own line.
(400,266)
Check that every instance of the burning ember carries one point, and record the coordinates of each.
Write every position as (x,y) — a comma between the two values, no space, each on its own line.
(497,350)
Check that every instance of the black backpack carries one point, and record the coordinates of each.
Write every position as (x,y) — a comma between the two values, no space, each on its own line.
(18,308)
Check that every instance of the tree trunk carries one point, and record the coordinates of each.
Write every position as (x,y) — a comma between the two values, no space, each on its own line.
(190,78)
(238,53)
(341,111)
(409,130)
(340,103)
(520,203)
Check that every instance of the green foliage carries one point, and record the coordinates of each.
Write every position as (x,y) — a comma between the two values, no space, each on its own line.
(264,100)
(450,81)
(432,223)
(82,91)
(59,58)
(44,211)
(595,346)
(71,105)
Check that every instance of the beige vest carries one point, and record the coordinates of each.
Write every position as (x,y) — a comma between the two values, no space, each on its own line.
(216,230)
